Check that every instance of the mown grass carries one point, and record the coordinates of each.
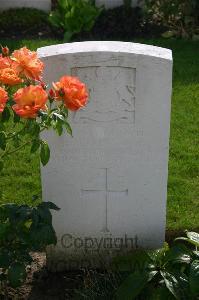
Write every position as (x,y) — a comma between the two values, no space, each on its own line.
(21,177)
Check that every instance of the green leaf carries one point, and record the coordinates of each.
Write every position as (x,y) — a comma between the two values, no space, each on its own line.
(168,34)
(16,141)
(196,254)
(177,284)
(68,128)
(138,260)
(2,126)
(36,129)
(182,239)
(132,286)
(1,165)
(65,111)
(16,274)
(170,282)
(193,237)
(16,118)
(22,213)
(194,278)
(41,236)
(35,146)
(157,256)
(44,153)
(44,214)
(49,205)
(33,128)
(6,114)
(4,227)
(58,116)
(161,293)
(3,140)
(54,19)
(178,254)
(59,127)
(67,36)
(5,259)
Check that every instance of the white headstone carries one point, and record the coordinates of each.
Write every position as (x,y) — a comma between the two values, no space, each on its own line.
(39,4)
(110,179)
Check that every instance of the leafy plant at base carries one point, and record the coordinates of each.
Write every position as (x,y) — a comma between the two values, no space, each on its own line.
(74,16)
(167,273)
(162,274)
(23,229)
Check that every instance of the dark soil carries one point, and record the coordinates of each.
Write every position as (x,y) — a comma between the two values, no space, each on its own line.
(42,284)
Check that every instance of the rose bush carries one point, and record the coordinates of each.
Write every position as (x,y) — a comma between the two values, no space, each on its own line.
(28,107)
(24,99)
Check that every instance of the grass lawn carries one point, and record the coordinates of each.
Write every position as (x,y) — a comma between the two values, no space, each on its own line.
(20,179)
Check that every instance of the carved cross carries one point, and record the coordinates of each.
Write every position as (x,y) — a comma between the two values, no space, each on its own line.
(106,192)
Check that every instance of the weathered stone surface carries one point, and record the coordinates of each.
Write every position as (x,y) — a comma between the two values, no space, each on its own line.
(39,4)
(110,179)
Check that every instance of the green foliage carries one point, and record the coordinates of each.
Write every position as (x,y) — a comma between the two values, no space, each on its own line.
(74,16)
(23,229)
(167,273)
(180,17)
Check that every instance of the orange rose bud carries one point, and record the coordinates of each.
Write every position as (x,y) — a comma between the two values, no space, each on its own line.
(29,101)
(27,64)
(3,99)
(43,85)
(9,76)
(72,91)
(5,51)
(61,92)
(52,94)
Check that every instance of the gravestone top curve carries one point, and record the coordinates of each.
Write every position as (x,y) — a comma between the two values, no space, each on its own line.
(105,46)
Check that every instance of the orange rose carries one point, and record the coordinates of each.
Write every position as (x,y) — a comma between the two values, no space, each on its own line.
(27,63)
(9,76)
(3,99)
(5,62)
(72,91)
(29,101)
